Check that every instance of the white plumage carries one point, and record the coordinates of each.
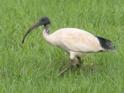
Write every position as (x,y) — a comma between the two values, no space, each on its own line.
(74,41)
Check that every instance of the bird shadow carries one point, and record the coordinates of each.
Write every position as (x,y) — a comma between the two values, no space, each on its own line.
(84,69)
(92,67)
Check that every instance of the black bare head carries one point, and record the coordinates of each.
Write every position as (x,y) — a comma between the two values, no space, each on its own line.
(43,21)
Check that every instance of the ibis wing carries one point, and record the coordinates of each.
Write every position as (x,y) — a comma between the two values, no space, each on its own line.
(79,41)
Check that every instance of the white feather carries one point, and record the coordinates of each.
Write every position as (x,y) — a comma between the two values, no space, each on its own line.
(73,40)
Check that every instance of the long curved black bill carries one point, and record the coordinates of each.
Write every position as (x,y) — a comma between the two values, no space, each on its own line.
(29,30)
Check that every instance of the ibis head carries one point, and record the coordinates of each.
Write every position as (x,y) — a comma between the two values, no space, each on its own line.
(42,21)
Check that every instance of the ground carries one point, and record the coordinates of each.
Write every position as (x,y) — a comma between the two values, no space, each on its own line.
(33,66)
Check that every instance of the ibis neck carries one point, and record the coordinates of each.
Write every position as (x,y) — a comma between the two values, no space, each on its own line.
(47,36)
(46,33)
(46,30)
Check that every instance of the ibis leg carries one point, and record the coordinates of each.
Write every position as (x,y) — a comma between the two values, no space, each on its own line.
(75,63)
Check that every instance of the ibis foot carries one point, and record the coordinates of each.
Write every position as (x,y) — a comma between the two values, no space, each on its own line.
(64,69)
(73,64)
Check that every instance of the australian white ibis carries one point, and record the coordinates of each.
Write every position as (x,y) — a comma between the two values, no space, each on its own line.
(74,41)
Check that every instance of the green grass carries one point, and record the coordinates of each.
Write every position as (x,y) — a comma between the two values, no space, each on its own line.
(33,67)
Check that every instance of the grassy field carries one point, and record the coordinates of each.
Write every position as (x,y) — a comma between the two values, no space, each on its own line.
(33,67)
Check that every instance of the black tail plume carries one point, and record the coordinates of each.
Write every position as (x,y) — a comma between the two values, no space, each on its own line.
(105,43)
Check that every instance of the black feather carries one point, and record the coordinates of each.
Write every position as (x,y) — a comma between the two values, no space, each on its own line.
(105,43)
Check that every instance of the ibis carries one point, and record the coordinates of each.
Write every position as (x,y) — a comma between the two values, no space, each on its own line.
(73,40)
